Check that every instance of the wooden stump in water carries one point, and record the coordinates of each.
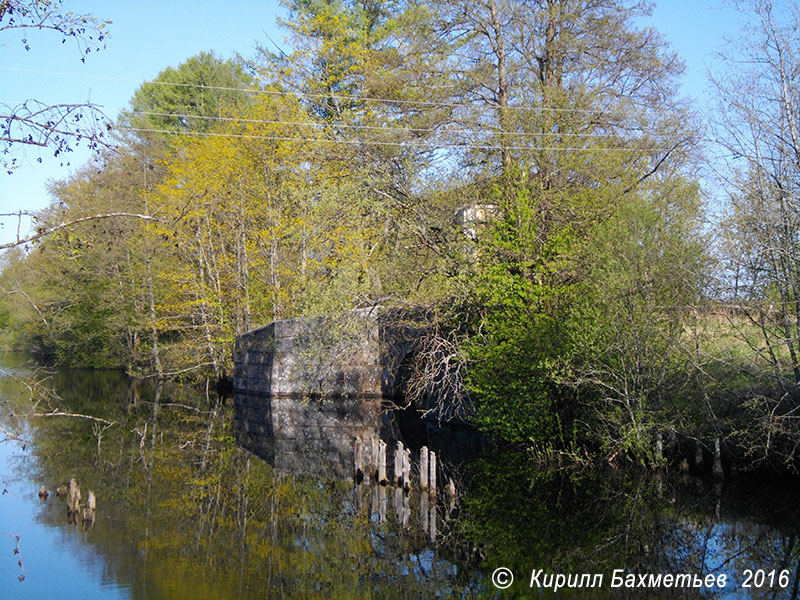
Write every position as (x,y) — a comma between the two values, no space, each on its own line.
(61,491)
(432,522)
(398,504)
(358,460)
(407,469)
(432,474)
(88,518)
(359,495)
(88,512)
(382,504)
(373,458)
(382,463)
(73,501)
(423,469)
(399,455)
(424,513)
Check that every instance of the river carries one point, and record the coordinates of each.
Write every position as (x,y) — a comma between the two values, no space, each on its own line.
(184,512)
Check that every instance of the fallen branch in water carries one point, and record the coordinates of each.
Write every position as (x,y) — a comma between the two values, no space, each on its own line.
(57,413)
(42,394)
(177,405)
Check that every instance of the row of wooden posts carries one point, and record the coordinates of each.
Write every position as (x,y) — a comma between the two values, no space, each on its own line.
(371,467)
(72,495)
(380,494)
(717,468)
(370,464)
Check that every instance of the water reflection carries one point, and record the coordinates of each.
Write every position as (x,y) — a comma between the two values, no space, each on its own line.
(182,511)
(639,523)
(309,435)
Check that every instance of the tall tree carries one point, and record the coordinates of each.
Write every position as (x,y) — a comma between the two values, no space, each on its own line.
(234,216)
(192,97)
(544,82)
(579,113)
(369,102)
(758,126)
(98,284)
(84,280)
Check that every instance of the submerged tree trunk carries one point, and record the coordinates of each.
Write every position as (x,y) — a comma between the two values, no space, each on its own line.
(718,471)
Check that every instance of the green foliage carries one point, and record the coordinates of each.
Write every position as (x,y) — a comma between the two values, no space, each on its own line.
(570,299)
(75,296)
(579,326)
(630,319)
(337,47)
(517,342)
(191,97)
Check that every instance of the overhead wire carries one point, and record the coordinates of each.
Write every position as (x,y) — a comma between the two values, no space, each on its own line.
(358,142)
(393,130)
(390,129)
(260,91)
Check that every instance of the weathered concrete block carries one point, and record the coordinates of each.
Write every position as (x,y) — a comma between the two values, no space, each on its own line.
(305,389)
(356,354)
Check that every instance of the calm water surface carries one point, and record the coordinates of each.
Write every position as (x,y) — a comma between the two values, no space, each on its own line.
(183,512)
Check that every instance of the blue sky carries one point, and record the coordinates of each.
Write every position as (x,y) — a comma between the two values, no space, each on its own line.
(146,36)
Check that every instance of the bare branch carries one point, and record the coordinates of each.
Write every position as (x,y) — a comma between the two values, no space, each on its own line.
(45,231)
(60,127)
(56,126)
(58,413)
(88,32)
(435,384)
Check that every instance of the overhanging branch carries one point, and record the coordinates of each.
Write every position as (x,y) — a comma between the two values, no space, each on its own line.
(45,231)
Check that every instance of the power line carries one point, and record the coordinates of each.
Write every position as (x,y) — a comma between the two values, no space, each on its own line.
(429,145)
(390,129)
(256,91)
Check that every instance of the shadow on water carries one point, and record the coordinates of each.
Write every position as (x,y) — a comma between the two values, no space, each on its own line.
(183,511)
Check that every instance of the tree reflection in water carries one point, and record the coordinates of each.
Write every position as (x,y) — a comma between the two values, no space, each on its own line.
(572,522)
(182,511)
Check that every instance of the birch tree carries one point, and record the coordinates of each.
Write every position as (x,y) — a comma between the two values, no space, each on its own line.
(758,130)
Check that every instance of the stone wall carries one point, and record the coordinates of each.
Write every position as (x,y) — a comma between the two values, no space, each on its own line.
(305,388)
(352,355)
